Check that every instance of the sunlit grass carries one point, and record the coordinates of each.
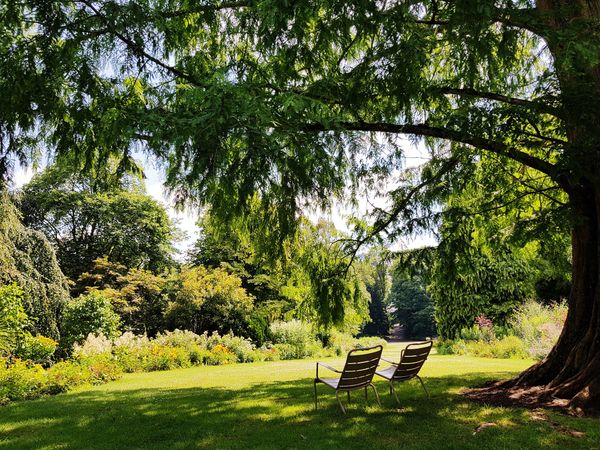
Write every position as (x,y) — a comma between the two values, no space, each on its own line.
(270,406)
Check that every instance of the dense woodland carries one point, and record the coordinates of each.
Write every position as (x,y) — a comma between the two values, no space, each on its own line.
(258,110)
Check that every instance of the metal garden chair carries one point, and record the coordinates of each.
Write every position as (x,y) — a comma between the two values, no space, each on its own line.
(412,359)
(358,373)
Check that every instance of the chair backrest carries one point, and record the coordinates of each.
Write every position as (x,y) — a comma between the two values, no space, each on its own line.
(360,367)
(412,359)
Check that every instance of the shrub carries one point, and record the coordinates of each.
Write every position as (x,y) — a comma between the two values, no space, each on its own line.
(341,343)
(90,313)
(298,337)
(102,368)
(444,347)
(161,357)
(65,375)
(20,380)
(266,354)
(23,380)
(13,319)
(243,348)
(509,347)
(180,338)
(37,348)
(92,346)
(130,351)
(220,354)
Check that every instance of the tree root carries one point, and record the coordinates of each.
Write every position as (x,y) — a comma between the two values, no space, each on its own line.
(510,393)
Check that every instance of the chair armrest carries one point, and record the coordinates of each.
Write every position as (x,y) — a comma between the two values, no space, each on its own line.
(326,366)
(388,361)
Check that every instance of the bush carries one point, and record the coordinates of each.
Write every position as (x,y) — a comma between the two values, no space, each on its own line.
(243,348)
(90,313)
(298,339)
(102,368)
(20,380)
(24,380)
(92,346)
(444,347)
(13,319)
(130,350)
(341,343)
(507,347)
(66,375)
(37,348)
(219,355)
(166,358)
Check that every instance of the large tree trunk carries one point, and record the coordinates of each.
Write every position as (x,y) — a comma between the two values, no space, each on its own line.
(570,374)
(572,369)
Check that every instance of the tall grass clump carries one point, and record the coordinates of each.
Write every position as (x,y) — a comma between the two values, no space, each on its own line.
(539,326)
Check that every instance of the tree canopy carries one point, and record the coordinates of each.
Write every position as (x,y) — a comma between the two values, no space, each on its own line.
(88,217)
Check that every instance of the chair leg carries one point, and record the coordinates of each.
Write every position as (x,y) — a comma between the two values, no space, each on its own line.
(366,396)
(393,391)
(315,388)
(337,396)
(348,392)
(423,384)
(376,394)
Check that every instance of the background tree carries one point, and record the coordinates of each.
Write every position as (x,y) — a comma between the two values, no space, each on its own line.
(210,300)
(277,274)
(412,308)
(286,101)
(411,305)
(375,268)
(491,258)
(13,319)
(86,218)
(28,259)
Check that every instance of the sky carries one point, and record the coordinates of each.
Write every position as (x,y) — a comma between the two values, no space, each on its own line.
(186,219)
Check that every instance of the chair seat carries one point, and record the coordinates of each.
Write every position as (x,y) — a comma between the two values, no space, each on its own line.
(331,382)
(387,373)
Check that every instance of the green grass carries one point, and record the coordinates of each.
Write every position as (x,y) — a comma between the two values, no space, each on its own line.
(270,406)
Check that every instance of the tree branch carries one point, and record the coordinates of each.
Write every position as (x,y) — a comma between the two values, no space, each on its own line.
(447,134)
(139,50)
(204,8)
(381,225)
(500,98)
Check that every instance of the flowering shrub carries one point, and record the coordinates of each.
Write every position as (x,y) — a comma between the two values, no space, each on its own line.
(220,354)
(539,326)
(98,359)
(532,333)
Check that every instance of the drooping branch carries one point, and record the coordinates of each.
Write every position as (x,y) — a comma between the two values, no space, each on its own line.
(138,49)
(197,9)
(498,148)
(536,106)
(400,206)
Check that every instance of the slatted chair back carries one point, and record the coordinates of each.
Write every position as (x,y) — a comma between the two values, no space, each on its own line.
(412,359)
(360,368)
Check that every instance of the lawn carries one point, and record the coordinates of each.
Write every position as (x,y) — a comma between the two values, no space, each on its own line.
(270,406)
